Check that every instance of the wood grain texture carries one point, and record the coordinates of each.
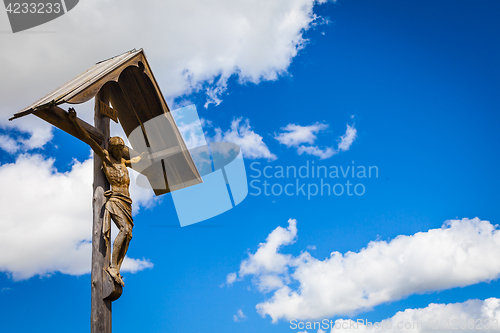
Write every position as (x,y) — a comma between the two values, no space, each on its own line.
(110,289)
(59,118)
(101,309)
(109,112)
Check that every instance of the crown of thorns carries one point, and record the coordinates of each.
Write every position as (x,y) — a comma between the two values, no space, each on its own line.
(116,141)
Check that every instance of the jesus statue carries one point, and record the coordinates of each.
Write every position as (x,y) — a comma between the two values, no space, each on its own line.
(119,204)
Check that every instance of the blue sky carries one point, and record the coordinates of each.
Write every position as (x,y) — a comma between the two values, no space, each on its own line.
(417,83)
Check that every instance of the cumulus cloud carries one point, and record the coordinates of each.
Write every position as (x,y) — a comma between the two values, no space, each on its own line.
(8,144)
(239,316)
(251,143)
(316,151)
(303,137)
(468,317)
(40,133)
(46,223)
(347,139)
(231,277)
(192,45)
(267,264)
(295,135)
(135,265)
(460,253)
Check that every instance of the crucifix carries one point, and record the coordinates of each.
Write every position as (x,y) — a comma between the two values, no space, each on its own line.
(118,204)
(125,91)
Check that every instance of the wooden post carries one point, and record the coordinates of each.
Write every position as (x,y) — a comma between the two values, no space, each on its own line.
(101,309)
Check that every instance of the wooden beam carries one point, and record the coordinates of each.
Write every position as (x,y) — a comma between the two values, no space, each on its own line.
(59,118)
(100,318)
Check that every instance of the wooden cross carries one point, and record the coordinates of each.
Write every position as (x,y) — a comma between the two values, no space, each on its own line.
(127,82)
(104,289)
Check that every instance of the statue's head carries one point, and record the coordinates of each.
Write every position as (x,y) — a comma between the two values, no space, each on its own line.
(115,147)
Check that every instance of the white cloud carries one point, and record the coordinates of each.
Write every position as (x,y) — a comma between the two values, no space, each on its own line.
(46,223)
(467,317)
(250,142)
(316,151)
(296,136)
(461,253)
(135,265)
(40,134)
(267,259)
(214,93)
(231,277)
(269,266)
(192,45)
(193,134)
(239,316)
(8,144)
(347,139)
(205,123)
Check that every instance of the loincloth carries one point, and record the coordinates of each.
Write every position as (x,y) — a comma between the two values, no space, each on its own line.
(117,204)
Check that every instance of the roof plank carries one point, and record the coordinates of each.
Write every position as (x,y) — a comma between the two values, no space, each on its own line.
(142,113)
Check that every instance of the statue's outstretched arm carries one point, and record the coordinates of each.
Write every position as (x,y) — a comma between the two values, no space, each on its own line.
(137,159)
(87,139)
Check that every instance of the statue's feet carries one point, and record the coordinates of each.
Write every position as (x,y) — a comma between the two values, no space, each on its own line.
(120,280)
(115,274)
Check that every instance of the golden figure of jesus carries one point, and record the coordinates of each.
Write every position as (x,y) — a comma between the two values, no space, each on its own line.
(118,204)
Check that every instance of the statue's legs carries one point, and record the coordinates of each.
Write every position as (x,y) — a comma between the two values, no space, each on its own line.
(120,245)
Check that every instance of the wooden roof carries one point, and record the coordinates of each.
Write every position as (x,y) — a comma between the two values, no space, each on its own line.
(136,96)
